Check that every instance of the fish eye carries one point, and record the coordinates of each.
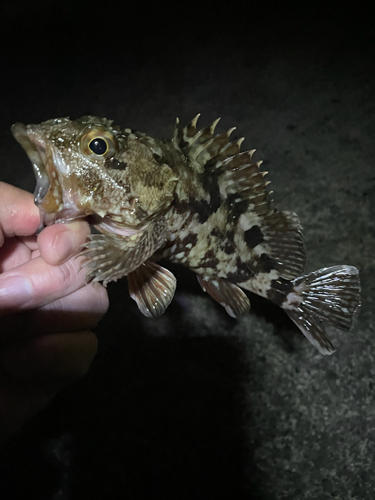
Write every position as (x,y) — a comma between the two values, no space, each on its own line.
(98,146)
(98,142)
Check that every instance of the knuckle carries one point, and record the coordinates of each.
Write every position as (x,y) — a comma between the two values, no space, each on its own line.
(67,274)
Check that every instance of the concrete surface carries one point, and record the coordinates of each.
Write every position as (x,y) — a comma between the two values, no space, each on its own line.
(196,405)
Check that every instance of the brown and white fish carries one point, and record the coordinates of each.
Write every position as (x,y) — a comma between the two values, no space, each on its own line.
(196,200)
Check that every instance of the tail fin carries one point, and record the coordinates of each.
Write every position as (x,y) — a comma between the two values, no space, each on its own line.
(332,295)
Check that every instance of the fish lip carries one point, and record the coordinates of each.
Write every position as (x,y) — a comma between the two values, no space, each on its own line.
(45,160)
(35,145)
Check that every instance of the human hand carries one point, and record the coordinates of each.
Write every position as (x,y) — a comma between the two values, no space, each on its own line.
(46,309)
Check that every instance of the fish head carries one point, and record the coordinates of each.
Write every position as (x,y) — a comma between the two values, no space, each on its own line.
(88,167)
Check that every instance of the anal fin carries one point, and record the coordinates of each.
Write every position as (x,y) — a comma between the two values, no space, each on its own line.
(230,296)
(152,287)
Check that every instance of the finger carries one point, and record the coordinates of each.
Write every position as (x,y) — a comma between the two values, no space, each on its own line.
(59,242)
(78,311)
(62,357)
(18,214)
(14,253)
(36,283)
(30,241)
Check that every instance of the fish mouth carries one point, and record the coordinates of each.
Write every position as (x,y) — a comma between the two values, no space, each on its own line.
(48,167)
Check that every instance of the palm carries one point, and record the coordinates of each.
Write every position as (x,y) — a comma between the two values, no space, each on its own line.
(45,335)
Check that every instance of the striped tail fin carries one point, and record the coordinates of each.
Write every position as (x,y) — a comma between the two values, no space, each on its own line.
(330,295)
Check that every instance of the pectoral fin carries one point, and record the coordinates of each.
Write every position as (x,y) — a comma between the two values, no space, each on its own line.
(152,287)
(111,256)
(230,296)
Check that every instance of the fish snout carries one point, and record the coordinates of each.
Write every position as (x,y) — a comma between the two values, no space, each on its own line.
(48,193)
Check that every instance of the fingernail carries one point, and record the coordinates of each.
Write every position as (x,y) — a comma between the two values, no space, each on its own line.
(65,245)
(15,292)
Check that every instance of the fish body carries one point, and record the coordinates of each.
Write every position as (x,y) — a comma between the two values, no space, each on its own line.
(196,200)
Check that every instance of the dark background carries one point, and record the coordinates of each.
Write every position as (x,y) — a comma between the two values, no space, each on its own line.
(196,405)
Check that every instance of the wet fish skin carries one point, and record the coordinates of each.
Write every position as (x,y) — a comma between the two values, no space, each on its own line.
(196,200)
(126,184)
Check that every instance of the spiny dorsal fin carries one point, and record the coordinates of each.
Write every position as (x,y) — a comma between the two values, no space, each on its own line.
(222,163)
(201,146)
(243,184)
(191,136)
(177,133)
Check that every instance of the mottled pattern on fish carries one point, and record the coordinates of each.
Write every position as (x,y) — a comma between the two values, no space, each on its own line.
(196,200)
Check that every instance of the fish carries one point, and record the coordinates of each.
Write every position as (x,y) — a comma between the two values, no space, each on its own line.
(196,200)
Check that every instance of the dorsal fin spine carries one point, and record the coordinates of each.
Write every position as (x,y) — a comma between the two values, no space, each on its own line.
(213,125)
(194,120)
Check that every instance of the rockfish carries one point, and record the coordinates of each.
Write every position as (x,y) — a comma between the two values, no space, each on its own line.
(196,200)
